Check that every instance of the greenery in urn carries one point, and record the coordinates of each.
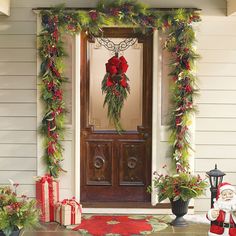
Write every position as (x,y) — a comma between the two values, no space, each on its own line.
(16,212)
(182,185)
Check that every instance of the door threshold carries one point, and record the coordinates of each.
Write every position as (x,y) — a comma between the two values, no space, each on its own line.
(145,205)
(128,208)
(132,211)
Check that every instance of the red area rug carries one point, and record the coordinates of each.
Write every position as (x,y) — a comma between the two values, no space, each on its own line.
(121,225)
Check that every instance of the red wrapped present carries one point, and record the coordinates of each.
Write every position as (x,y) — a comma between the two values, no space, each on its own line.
(47,195)
(68,212)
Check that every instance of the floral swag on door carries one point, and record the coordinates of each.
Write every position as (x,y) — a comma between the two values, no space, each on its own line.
(177,24)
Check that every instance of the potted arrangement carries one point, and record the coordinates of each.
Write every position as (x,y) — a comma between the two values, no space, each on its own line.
(16,212)
(179,188)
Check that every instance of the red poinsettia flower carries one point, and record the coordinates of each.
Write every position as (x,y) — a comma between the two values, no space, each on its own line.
(109,82)
(114,61)
(111,68)
(188,88)
(55,35)
(123,82)
(178,121)
(50,85)
(123,60)
(58,95)
(187,65)
(93,15)
(123,67)
(51,148)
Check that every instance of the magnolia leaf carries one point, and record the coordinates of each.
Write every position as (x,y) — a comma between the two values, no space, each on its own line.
(52,129)
(176,198)
(50,119)
(137,217)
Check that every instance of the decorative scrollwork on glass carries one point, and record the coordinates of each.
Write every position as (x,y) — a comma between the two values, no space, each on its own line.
(116,47)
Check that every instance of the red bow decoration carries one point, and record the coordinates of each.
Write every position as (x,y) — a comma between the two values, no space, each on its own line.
(115,86)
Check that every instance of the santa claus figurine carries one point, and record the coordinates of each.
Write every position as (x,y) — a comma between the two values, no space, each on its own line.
(223,214)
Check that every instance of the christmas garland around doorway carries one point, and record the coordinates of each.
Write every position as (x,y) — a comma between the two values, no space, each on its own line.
(177,24)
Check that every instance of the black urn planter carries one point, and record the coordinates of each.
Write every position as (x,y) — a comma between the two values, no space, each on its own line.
(179,209)
(14,233)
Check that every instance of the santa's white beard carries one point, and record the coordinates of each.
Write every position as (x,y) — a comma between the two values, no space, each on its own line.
(224,205)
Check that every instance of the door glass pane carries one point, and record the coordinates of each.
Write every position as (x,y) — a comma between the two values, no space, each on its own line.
(163,64)
(131,115)
(68,72)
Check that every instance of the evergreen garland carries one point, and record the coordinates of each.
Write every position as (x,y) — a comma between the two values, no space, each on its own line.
(178,26)
(115,86)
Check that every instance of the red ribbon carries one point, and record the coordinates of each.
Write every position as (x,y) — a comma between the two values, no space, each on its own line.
(71,202)
(45,178)
(48,178)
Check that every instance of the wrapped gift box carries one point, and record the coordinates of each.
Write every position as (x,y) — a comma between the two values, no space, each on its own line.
(47,195)
(68,212)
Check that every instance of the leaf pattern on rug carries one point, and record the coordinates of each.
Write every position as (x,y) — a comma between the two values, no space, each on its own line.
(113,222)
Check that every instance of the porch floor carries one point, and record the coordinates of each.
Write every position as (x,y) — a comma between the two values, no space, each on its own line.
(54,229)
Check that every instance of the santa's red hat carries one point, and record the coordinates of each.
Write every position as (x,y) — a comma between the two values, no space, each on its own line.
(224,186)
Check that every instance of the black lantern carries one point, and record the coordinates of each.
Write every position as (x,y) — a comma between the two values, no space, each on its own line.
(216,178)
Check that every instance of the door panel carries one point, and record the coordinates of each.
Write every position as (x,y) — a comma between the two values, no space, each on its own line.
(116,167)
(132,162)
(99,162)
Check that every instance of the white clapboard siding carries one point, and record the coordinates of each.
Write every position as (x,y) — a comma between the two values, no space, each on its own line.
(28,190)
(215,152)
(17,68)
(229,177)
(19,55)
(16,109)
(20,14)
(216,97)
(216,69)
(18,150)
(17,27)
(24,189)
(217,28)
(18,82)
(216,138)
(226,165)
(18,96)
(18,41)
(218,18)
(17,123)
(21,177)
(211,42)
(217,83)
(17,136)
(19,164)
(216,110)
(215,124)
(202,205)
(217,56)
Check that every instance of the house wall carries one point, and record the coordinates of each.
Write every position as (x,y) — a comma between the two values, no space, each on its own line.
(216,119)
(215,122)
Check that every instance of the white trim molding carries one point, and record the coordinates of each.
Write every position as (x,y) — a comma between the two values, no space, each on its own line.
(5,7)
(156,128)
(77,117)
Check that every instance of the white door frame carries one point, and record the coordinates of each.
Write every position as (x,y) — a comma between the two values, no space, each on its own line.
(156,134)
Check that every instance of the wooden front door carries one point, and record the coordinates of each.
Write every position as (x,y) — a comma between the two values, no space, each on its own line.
(116,167)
